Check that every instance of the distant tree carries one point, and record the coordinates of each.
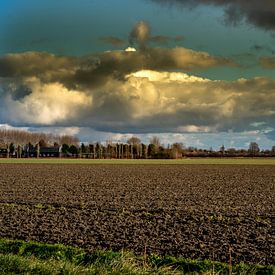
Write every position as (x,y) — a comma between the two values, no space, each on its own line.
(12,148)
(42,143)
(162,153)
(231,152)
(253,148)
(98,150)
(144,151)
(133,140)
(178,146)
(152,150)
(176,150)
(156,141)
(70,140)
(92,150)
(83,148)
(65,148)
(126,150)
(134,146)
(73,150)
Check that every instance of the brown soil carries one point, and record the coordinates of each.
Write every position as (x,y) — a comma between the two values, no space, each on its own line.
(196,211)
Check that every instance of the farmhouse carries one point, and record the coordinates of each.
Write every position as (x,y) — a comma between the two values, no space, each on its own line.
(53,152)
(3,152)
(45,152)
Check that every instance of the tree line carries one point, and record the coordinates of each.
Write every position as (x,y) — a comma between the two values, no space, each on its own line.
(17,143)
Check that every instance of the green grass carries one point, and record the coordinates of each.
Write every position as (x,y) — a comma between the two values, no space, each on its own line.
(194,161)
(19,257)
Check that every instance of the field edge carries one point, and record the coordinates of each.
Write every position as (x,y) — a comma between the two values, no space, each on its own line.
(20,256)
(185,161)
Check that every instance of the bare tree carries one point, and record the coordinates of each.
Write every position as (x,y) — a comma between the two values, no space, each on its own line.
(177,149)
(134,143)
(70,140)
(133,140)
(155,141)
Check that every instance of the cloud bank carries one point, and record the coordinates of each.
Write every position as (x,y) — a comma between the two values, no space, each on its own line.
(259,13)
(143,101)
(138,90)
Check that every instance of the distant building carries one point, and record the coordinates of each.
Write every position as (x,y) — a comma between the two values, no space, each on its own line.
(52,152)
(3,152)
(44,152)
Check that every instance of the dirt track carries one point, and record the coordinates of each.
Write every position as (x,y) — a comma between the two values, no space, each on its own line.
(192,211)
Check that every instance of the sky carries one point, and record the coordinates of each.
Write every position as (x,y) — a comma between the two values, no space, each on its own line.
(198,72)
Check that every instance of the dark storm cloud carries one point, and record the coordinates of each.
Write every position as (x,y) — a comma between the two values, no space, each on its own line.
(117,64)
(143,101)
(21,92)
(151,101)
(115,41)
(93,91)
(94,70)
(162,39)
(141,36)
(34,64)
(134,90)
(120,63)
(259,48)
(268,62)
(260,13)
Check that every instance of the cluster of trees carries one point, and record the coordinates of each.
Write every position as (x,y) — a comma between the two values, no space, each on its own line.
(19,137)
(17,143)
(137,150)
(132,149)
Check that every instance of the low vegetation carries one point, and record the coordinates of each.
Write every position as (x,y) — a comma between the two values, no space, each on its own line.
(36,258)
(185,161)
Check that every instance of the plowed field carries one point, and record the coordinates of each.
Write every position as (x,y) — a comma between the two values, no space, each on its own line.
(194,211)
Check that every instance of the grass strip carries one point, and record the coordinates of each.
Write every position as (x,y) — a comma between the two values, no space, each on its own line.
(185,161)
(20,257)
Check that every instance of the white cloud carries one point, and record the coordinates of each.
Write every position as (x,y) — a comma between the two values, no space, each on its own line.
(166,77)
(130,49)
(47,104)
(145,101)
(112,92)
(195,129)
(6,126)
(62,131)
